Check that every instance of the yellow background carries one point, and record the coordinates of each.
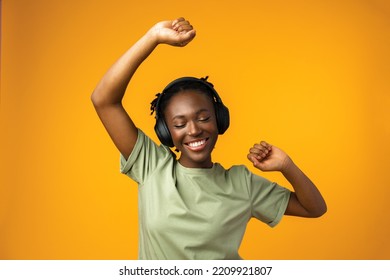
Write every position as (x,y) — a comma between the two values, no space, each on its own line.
(311,77)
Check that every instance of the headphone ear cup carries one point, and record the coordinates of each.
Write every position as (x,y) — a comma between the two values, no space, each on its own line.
(163,133)
(223,117)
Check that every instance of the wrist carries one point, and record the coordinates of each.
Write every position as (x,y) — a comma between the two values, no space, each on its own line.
(152,36)
(287,166)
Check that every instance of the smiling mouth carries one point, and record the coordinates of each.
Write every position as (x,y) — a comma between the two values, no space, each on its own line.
(197,145)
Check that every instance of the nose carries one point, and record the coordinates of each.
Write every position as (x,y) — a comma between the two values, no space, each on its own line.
(193,129)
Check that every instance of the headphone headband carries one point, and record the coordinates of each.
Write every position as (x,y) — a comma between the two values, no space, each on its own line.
(202,81)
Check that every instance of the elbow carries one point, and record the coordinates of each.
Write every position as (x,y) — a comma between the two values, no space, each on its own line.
(324,210)
(96,99)
(320,211)
(101,97)
(314,208)
(99,100)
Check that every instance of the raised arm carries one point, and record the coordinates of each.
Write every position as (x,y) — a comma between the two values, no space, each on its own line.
(108,94)
(306,200)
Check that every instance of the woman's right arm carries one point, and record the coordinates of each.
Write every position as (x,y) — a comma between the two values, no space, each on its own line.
(108,94)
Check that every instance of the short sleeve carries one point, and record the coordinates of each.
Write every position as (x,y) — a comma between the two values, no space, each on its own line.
(269,200)
(144,159)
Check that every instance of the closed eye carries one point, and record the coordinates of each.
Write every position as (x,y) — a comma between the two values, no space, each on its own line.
(204,119)
(179,125)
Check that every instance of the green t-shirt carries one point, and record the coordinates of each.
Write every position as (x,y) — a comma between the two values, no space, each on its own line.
(194,213)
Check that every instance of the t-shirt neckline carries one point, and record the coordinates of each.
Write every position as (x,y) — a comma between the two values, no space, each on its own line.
(189,170)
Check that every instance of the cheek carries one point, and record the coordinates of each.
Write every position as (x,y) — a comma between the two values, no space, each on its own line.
(176,136)
(212,127)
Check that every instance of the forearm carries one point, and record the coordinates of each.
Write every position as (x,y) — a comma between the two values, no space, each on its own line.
(307,194)
(112,87)
(108,94)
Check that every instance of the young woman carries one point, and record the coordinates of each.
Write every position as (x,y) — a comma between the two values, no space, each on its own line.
(191,207)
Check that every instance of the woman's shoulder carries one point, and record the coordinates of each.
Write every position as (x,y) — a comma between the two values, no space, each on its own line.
(146,156)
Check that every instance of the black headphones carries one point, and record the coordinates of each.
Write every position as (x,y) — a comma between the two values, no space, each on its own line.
(221,111)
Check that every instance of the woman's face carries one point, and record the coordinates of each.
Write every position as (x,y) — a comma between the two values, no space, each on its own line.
(191,120)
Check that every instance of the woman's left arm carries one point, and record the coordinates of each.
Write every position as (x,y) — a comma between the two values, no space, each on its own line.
(306,200)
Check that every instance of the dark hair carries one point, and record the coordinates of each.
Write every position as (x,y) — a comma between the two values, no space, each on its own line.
(165,96)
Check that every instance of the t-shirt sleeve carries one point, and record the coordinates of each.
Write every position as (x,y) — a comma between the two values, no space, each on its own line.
(144,159)
(269,200)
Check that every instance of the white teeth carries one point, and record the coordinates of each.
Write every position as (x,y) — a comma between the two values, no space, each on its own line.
(196,144)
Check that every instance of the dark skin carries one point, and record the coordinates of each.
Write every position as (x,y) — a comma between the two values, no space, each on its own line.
(192,124)
(190,118)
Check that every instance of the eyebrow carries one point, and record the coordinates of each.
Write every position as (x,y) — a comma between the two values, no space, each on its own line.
(196,113)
